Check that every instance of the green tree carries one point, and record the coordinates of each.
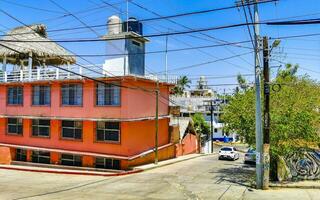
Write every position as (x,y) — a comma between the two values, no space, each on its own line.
(294,111)
(182,83)
(242,82)
(200,125)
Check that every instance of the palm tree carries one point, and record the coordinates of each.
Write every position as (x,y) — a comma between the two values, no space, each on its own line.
(182,83)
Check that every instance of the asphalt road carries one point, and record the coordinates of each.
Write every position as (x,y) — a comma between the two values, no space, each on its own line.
(201,178)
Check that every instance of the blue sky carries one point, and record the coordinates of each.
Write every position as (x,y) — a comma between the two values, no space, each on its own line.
(303,51)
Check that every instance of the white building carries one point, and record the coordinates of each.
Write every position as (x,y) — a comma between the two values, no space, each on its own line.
(199,100)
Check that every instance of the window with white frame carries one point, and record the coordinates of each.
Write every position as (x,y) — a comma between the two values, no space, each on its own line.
(108,131)
(71,94)
(41,95)
(41,157)
(15,126)
(107,163)
(21,155)
(72,129)
(15,95)
(40,128)
(107,94)
(71,160)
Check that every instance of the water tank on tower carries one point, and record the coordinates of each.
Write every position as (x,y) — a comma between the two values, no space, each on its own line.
(114,25)
(132,25)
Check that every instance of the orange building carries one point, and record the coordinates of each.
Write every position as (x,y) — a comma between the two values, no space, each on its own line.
(57,115)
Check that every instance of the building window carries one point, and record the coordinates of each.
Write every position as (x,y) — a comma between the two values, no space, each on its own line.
(72,129)
(71,160)
(21,155)
(15,126)
(107,95)
(107,163)
(71,94)
(216,130)
(41,128)
(41,95)
(15,95)
(41,157)
(108,131)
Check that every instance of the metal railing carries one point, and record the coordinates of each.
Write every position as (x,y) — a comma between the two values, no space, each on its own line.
(52,73)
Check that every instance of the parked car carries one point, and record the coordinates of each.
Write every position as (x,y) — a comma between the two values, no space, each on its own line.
(229,153)
(250,156)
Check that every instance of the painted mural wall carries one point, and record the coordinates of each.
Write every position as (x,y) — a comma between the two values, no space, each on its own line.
(300,166)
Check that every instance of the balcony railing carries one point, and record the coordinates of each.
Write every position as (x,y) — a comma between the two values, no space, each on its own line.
(76,72)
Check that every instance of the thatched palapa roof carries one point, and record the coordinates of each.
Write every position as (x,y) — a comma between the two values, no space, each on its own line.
(51,52)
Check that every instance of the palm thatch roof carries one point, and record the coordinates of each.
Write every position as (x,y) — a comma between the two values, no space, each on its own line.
(51,52)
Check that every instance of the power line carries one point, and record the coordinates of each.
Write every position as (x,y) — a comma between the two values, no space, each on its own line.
(157,35)
(208,62)
(153,52)
(133,37)
(184,26)
(30,7)
(57,44)
(163,17)
(220,77)
(248,27)
(296,22)
(77,18)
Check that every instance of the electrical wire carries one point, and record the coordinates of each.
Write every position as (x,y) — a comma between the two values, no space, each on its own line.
(164,17)
(208,62)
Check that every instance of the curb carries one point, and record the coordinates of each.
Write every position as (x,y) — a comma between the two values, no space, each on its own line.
(278,185)
(73,173)
(158,166)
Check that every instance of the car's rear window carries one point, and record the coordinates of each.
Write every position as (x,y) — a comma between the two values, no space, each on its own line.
(226,149)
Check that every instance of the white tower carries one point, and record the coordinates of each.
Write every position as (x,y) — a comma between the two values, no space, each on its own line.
(127,45)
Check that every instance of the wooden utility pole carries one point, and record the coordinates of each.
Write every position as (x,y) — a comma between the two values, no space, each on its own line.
(266,127)
(157,126)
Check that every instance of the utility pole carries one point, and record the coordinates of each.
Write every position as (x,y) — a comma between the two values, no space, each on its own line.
(211,125)
(266,127)
(259,136)
(166,61)
(157,126)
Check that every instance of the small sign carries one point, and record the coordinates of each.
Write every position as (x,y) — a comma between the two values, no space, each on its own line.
(258,156)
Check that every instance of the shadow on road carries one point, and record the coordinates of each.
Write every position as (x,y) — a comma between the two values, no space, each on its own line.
(235,174)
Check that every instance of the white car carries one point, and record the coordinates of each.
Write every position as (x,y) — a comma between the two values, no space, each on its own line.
(229,153)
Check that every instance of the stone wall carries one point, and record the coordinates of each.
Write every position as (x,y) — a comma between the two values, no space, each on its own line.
(299,166)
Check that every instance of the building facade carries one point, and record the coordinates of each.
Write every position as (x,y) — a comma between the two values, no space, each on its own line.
(53,112)
(80,121)
(199,100)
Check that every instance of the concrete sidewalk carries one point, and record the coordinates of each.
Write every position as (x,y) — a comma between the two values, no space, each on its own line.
(168,162)
(53,170)
(83,171)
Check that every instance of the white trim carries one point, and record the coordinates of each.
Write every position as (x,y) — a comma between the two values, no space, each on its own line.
(85,119)
(86,153)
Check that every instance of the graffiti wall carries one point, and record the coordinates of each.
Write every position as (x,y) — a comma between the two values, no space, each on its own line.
(300,166)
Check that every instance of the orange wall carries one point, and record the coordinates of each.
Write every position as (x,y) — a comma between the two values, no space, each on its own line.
(134,103)
(188,145)
(163,154)
(135,137)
